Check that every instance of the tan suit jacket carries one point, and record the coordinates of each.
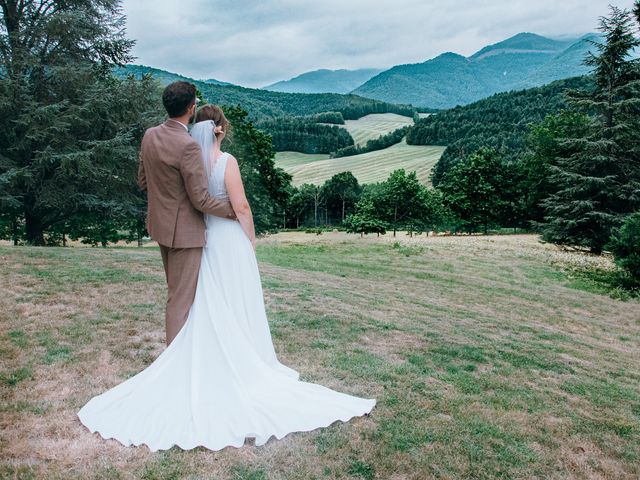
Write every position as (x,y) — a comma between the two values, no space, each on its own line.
(172,172)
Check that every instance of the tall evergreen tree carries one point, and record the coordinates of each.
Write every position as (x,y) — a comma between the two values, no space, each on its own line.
(62,132)
(597,183)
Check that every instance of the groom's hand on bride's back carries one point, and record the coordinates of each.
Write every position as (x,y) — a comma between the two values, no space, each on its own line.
(196,185)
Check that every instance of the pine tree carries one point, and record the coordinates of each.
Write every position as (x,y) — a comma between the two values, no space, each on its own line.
(67,128)
(597,182)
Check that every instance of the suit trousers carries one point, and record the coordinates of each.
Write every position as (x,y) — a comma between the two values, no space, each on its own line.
(181,268)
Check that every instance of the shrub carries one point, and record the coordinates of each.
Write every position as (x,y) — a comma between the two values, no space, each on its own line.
(625,245)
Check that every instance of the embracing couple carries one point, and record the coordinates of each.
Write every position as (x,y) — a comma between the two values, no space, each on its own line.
(218,382)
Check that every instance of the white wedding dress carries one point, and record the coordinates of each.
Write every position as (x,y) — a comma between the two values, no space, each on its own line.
(219,380)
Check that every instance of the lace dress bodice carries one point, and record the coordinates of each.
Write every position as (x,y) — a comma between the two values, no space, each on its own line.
(217,187)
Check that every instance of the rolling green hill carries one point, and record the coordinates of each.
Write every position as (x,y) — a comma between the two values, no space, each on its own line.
(367,168)
(522,61)
(164,77)
(372,126)
(263,103)
(500,121)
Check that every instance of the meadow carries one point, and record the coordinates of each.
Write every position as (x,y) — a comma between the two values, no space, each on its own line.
(368,167)
(373,125)
(489,356)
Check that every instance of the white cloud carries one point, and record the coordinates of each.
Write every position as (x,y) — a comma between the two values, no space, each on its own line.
(254,43)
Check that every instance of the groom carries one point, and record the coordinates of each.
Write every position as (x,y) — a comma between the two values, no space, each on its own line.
(172,172)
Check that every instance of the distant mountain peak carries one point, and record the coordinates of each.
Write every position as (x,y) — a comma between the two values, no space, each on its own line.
(525,42)
(324,81)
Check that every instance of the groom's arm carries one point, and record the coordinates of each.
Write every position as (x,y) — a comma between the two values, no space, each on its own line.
(195,182)
(142,178)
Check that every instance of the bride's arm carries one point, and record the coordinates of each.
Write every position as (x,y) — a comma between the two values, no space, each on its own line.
(238,199)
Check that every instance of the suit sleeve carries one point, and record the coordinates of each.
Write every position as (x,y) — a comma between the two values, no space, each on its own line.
(142,178)
(195,182)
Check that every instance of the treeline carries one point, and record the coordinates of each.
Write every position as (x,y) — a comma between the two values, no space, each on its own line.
(500,122)
(306,135)
(335,118)
(380,143)
(472,199)
(264,103)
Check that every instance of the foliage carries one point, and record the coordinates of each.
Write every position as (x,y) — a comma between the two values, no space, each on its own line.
(267,187)
(328,117)
(305,135)
(474,190)
(500,122)
(401,201)
(545,146)
(365,219)
(68,130)
(625,245)
(341,192)
(306,202)
(598,182)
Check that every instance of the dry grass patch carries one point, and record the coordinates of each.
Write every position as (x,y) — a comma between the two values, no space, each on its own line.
(488,360)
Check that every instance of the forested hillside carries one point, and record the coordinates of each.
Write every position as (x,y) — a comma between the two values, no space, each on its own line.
(522,61)
(263,103)
(500,121)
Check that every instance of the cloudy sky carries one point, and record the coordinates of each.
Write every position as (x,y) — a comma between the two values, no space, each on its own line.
(255,43)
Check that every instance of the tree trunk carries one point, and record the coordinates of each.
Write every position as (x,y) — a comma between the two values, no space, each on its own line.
(34,230)
(14,231)
(395,219)
(343,210)
(315,208)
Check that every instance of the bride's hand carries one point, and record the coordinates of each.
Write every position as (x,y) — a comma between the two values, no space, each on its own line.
(253,244)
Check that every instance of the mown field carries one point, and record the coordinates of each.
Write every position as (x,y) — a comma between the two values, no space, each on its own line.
(368,167)
(372,126)
(490,357)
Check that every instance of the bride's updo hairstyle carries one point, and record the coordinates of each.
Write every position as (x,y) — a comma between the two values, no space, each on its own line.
(215,113)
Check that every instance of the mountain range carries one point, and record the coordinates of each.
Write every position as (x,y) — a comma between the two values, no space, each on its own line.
(523,61)
(325,81)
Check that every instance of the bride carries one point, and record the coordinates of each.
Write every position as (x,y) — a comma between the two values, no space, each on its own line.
(219,381)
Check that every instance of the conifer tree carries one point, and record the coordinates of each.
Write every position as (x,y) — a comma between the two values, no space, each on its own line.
(597,182)
(68,130)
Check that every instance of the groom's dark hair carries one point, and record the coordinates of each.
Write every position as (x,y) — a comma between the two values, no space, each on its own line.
(178,97)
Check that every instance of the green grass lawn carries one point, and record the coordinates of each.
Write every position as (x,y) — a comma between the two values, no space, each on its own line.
(489,357)
(368,167)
